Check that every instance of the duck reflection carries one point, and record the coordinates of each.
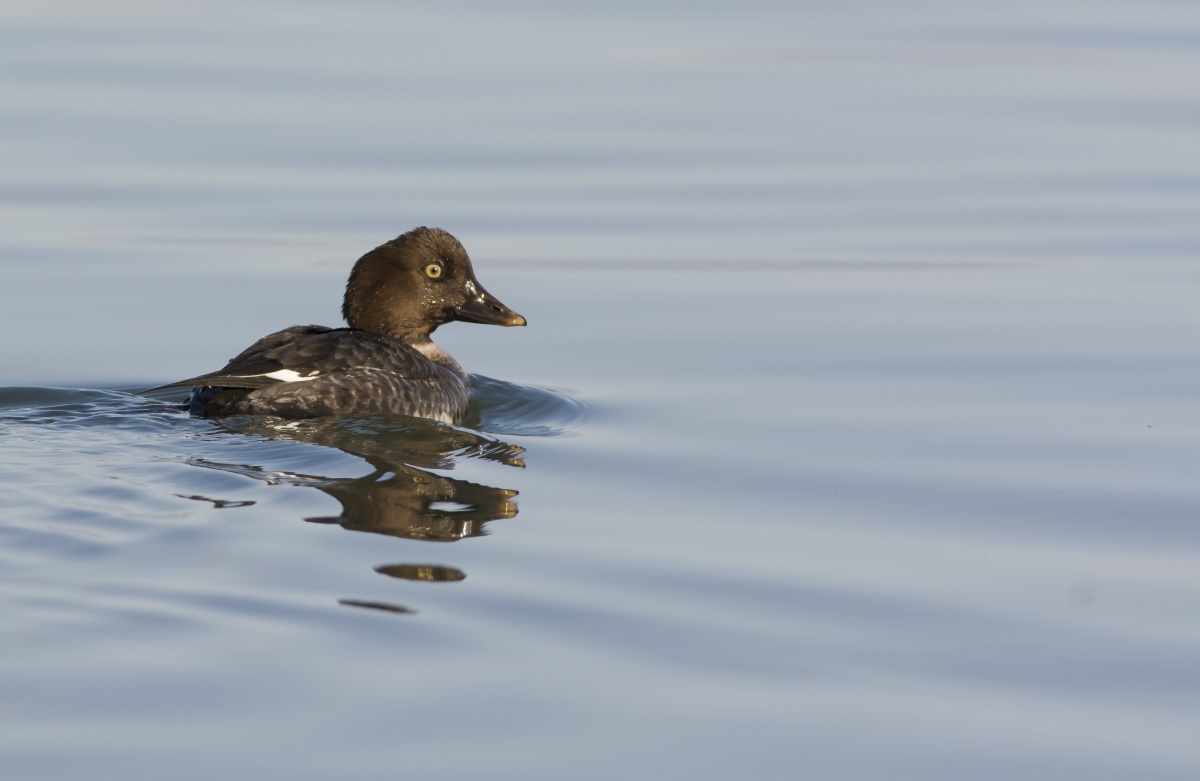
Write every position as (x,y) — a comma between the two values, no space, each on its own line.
(400,497)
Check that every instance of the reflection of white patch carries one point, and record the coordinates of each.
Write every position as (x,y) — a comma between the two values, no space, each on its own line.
(449,507)
(287,375)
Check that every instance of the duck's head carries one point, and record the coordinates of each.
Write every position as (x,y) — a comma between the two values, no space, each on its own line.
(409,286)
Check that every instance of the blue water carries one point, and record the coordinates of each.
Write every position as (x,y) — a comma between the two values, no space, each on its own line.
(854,433)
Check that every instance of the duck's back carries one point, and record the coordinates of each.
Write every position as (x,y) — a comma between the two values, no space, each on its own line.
(314,371)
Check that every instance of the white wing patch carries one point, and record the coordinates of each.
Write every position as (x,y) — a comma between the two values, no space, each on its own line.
(287,375)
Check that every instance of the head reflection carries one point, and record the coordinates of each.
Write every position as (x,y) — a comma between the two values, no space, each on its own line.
(404,501)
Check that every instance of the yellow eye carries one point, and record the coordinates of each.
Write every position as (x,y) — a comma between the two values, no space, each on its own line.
(433,271)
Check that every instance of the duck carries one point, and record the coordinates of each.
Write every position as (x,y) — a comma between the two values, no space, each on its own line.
(384,361)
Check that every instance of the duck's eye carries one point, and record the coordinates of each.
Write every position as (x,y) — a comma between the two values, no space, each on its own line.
(433,271)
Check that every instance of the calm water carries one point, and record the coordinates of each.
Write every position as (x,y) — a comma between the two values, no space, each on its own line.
(854,434)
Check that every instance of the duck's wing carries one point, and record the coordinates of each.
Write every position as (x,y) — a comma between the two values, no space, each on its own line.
(309,352)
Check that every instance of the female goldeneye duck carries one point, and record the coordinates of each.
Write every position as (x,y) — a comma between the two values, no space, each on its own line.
(398,294)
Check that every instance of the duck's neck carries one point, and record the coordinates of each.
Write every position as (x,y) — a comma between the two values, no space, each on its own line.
(430,350)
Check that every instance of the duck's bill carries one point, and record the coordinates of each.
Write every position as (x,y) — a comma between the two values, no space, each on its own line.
(487,309)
